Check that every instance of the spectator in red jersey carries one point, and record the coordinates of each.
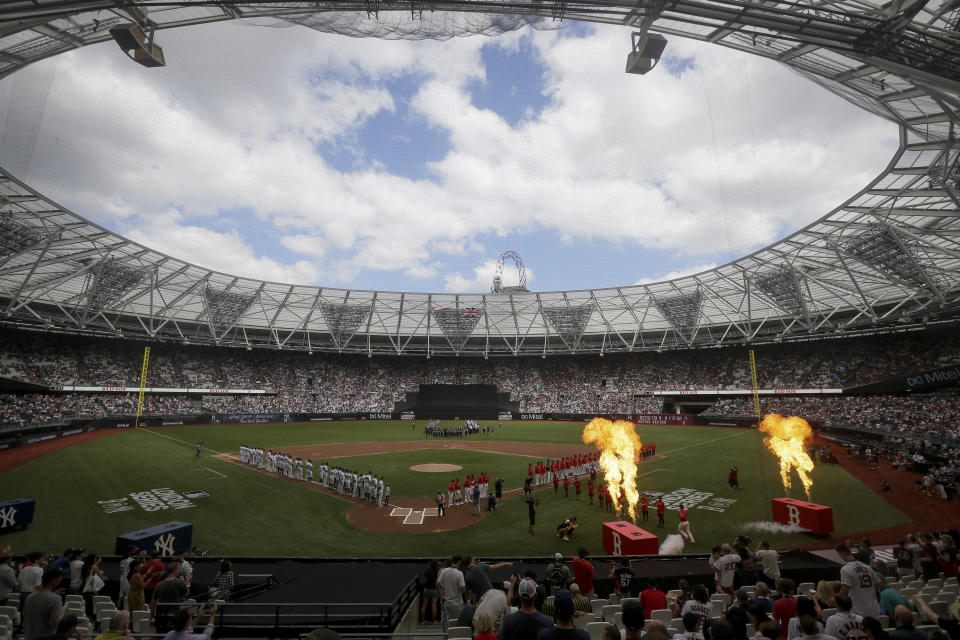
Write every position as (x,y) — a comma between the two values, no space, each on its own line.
(785,607)
(151,572)
(583,572)
(652,598)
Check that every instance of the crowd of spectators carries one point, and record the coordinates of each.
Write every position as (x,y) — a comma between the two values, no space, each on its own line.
(297,382)
(890,415)
(40,408)
(749,597)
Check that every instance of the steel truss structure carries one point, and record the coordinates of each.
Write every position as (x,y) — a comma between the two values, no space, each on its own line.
(887,257)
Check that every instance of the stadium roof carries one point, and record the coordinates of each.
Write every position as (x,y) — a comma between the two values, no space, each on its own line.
(888,257)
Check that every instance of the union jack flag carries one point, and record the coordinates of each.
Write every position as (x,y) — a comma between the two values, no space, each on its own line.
(470,312)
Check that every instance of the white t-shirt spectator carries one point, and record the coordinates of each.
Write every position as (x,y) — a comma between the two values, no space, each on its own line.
(30,578)
(450,583)
(846,625)
(727,566)
(769,559)
(705,610)
(862,582)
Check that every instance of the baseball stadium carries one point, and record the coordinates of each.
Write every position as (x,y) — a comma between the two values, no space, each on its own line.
(294,460)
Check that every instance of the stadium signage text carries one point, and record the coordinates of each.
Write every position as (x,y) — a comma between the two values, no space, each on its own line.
(409,415)
(505,416)
(380,416)
(151,500)
(256,392)
(747,392)
(531,416)
(933,377)
(663,418)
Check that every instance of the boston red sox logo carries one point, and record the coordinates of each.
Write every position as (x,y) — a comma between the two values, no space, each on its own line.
(617,545)
(793,514)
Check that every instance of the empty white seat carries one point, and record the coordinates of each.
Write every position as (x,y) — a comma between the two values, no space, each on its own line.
(581,622)
(607,613)
(74,598)
(915,584)
(884,620)
(804,588)
(618,619)
(598,605)
(140,621)
(935,582)
(459,632)
(596,629)
(674,592)
(663,615)
(97,599)
(12,613)
(828,612)
(723,597)
(941,608)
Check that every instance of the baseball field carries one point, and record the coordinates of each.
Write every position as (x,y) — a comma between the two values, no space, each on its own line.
(91,491)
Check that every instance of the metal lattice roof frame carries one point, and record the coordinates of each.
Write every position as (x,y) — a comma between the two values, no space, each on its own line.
(900,61)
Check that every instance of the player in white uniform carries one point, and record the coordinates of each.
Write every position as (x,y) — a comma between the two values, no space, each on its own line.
(299,469)
(859,583)
(309,470)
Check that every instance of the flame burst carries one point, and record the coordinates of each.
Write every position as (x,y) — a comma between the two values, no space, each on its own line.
(620,448)
(786,438)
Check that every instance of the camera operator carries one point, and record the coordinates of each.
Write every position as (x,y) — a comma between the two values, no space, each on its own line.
(532,508)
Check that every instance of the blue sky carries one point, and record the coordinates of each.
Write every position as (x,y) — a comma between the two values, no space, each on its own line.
(291,155)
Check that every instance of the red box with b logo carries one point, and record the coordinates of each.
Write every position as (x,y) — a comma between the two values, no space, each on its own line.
(817,518)
(627,539)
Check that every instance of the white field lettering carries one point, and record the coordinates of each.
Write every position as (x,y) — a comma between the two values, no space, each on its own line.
(150,500)
(691,498)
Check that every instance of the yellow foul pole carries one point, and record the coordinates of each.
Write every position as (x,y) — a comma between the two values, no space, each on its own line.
(753,377)
(143,382)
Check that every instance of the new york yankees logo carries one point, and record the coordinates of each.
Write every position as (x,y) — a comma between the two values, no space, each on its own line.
(164,545)
(794,514)
(7,517)
(617,545)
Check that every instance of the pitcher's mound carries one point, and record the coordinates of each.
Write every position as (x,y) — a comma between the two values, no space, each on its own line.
(434,467)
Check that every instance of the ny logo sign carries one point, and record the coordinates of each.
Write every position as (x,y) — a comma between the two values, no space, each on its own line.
(794,514)
(164,545)
(7,517)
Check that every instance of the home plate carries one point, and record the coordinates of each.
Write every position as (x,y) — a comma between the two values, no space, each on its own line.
(400,512)
(415,517)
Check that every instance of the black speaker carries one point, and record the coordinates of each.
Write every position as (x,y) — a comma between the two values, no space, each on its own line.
(134,42)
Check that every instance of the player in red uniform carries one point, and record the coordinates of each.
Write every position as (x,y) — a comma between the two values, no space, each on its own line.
(556,483)
(576,486)
(456,491)
(602,496)
(590,490)
(645,508)
(660,508)
(733,478)
(566,486)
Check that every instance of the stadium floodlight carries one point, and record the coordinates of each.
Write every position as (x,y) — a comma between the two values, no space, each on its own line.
(16,237)
(225,308)
(110,281)
(646,52)
(457,324)
(343,320)
(682,312)
(138,44)
(885,250)
(569,322)
(782,285)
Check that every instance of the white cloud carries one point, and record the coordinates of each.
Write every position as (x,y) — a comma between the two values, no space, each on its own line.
(226,252)
(728,157)
(680,273)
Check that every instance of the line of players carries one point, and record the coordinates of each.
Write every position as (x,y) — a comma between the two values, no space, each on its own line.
(458,494)
(369,486)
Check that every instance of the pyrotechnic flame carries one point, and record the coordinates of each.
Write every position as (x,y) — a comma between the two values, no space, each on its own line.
(620,448)
(786,438)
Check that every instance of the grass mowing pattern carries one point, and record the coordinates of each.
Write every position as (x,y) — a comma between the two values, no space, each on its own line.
(250,513)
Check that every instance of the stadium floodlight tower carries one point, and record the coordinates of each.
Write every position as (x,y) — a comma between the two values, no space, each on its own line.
(521,286)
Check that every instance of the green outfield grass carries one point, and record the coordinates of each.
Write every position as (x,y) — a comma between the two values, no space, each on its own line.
(251,513)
